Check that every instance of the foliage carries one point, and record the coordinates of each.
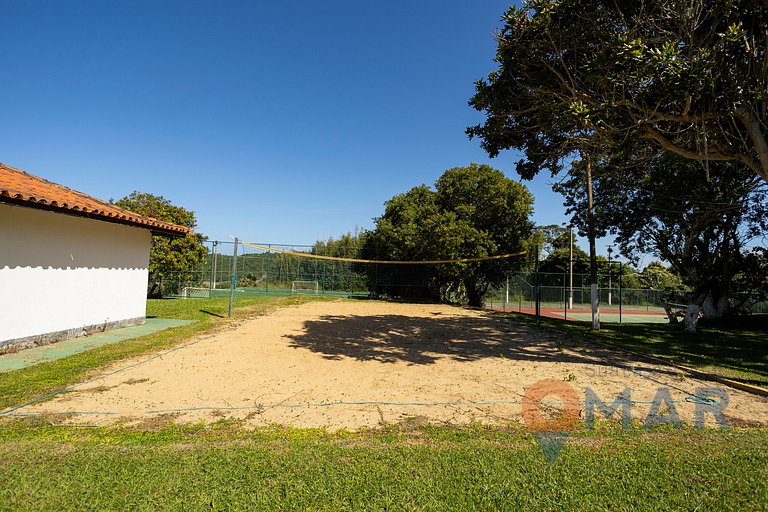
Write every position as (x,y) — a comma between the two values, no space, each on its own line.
(558,261)
(663,205)
(657,276)
(340,275)
(178,256)
(473,211)
(688,77)
(750,284)
(550,237)
(347,245)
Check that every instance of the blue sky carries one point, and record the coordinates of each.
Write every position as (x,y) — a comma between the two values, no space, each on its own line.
(280,122)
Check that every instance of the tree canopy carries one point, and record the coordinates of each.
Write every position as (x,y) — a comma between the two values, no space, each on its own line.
(665,105)
(664,206)
(657,276)
(176,257)
(689,77)
(473,211)
(558,261)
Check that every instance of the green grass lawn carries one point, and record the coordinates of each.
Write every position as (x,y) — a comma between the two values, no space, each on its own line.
(736,350)
(166,466)
(223,467)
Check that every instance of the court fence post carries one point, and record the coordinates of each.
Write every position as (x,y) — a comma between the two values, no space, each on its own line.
(620,272)
(233,278)
(506,294)
(565,299)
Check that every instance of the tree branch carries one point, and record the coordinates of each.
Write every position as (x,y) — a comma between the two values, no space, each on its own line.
(752,124)
(667,145)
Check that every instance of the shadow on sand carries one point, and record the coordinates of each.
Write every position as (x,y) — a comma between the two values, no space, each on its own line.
(415,340)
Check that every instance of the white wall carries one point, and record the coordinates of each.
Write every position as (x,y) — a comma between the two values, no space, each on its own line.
(59,272)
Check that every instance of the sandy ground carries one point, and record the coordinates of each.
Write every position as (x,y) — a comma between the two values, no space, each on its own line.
(294,366)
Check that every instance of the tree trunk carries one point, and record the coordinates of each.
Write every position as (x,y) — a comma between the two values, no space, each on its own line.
(475,295)
(714,307)
(154,291)
(691,318)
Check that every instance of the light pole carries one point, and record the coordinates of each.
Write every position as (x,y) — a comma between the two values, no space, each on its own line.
(610,251)
(213,269)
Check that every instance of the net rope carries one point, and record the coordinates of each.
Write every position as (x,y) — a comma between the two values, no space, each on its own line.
(388,262)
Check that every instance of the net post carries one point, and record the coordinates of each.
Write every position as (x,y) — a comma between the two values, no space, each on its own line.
(213,266)
(233,278)
(269,261)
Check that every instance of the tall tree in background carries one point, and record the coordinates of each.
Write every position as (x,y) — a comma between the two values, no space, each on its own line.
(686,76)
(558,261)
(657,276)
(175,258)
(473,211)
(342,275)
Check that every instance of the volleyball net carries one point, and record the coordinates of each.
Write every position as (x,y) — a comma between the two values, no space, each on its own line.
(336,270)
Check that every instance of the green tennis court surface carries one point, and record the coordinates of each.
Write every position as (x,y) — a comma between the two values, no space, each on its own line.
(630,318)
(66,348)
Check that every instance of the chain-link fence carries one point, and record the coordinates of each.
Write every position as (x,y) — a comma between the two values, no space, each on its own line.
(283,269)
(556,292)
(261,268)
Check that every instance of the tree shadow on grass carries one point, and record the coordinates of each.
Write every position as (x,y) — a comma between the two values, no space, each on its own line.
(415,340)
(730,347)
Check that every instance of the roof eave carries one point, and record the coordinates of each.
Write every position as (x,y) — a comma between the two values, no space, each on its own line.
(160,230)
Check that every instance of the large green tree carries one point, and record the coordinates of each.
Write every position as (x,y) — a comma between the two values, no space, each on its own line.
(473,211)
(664,206)
(170,258)
(687,76)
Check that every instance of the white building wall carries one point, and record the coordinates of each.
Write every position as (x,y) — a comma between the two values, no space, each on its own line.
(60,273)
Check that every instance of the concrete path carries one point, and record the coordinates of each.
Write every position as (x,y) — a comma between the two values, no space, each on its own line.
(66,348)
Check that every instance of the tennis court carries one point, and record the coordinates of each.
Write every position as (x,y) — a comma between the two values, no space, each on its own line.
(614,316)
(637,316)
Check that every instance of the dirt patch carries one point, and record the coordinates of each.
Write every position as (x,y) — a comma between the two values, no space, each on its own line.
(135,381)
(347,364)
(97,389)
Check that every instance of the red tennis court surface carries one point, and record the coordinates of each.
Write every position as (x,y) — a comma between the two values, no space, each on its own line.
(585,315)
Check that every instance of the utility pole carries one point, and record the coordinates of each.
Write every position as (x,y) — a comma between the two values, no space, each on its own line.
(610,251)
(538,286)
(570,268)
(592,250)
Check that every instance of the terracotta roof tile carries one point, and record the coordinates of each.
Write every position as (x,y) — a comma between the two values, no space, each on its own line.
(22,188)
